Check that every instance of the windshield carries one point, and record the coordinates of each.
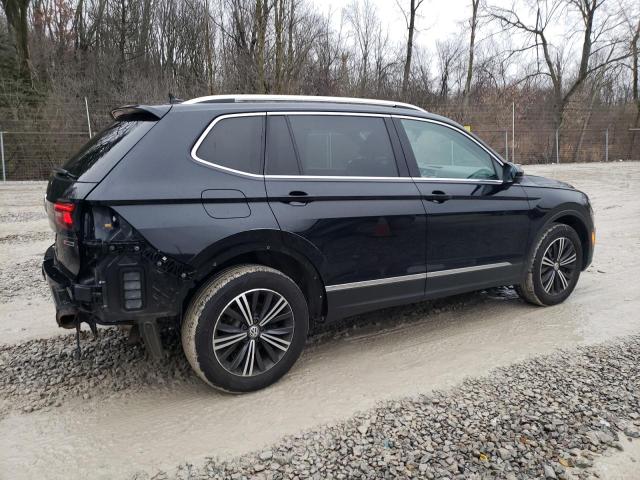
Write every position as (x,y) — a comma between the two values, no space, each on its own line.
(105,149)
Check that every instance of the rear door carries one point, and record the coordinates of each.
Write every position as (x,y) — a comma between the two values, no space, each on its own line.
(334,180)
(477,225)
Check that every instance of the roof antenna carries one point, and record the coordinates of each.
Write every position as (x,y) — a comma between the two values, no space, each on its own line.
(173,99)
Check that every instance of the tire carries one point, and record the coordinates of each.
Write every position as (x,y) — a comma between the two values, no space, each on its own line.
(548,281)
(252,351)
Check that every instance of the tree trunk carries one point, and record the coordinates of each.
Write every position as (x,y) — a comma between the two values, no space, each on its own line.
(279,8)
(16,12)
(593,94)
(407,62)
(262,20)
(145,26)
(472,43)
(290,32)
(123,37)
(207,49)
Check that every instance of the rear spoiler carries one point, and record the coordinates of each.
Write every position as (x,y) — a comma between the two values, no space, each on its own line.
(140,112)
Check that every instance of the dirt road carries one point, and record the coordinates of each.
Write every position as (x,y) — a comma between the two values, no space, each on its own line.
(386,355)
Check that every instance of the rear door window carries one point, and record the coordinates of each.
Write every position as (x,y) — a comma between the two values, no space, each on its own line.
(343,145)
(235,143)
(105,149)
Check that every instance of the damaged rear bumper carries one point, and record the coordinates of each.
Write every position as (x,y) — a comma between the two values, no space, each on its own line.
(66,294)
(103,293)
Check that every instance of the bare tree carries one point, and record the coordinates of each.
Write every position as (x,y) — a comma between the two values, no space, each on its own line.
(473,25)
(16,12)
(448,52)
(410,21)
(363,19)
(599,49)
(262,10)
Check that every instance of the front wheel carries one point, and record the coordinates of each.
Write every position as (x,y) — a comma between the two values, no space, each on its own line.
(245,328)
(554,266)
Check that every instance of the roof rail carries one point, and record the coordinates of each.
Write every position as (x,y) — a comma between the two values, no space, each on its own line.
(299,98)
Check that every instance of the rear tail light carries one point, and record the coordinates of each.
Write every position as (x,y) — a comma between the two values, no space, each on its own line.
(63,214)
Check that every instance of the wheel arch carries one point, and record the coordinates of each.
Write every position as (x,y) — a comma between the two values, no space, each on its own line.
(574,219)
(268,248)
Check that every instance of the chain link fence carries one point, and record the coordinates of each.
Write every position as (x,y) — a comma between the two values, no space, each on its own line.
(33,140)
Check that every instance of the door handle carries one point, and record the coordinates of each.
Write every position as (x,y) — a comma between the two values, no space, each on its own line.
(297,198)
(438,196)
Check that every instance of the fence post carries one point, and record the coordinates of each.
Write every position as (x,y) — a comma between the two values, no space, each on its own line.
(606,145)
(557,147)
(4,171)
(86,107)
(506,144)
(513,132)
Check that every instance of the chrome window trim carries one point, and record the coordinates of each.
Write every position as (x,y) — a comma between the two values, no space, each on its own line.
(194,149)
(454,128)
(457,180)
(329,113)
(302,99)
(337,178)
(417,276)
(216,166)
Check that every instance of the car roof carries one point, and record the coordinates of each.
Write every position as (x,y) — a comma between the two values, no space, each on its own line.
(230,104)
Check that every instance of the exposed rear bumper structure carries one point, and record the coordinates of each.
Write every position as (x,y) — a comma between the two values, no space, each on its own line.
(62,290)
(76,303)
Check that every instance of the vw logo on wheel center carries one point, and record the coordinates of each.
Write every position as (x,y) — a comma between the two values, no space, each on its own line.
(254,331)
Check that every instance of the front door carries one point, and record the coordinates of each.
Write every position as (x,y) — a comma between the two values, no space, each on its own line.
(477,225)
(333,180)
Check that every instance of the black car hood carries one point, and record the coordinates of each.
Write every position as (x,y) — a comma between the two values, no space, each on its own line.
(536,181)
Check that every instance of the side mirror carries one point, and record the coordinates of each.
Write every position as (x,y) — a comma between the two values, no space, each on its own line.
(512,173)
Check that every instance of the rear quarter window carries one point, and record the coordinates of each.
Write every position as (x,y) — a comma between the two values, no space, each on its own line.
(235,143)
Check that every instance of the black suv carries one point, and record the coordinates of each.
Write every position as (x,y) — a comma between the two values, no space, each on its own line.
(243,219)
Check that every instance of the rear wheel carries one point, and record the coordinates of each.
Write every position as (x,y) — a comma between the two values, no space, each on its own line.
(554,266)
(245,328)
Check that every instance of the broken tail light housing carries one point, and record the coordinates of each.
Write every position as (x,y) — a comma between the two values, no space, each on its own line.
(63,215)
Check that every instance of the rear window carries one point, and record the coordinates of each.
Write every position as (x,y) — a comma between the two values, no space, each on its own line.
(342,145)
(105,149)
(235,143)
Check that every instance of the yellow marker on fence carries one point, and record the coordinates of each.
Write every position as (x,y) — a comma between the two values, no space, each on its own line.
(467,128)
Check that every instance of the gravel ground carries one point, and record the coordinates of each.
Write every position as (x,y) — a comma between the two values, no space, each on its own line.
(23,279)
(557,412)
(548,417)
(27,237)
(14,217)
(43,373)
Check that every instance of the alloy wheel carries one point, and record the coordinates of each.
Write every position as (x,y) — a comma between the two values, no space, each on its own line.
(558,266)
(253,332)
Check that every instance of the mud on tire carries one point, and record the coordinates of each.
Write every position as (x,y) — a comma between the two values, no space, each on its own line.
(245,328)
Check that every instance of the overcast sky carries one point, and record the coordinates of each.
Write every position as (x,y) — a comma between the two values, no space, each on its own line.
(438,19)
(442,19)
